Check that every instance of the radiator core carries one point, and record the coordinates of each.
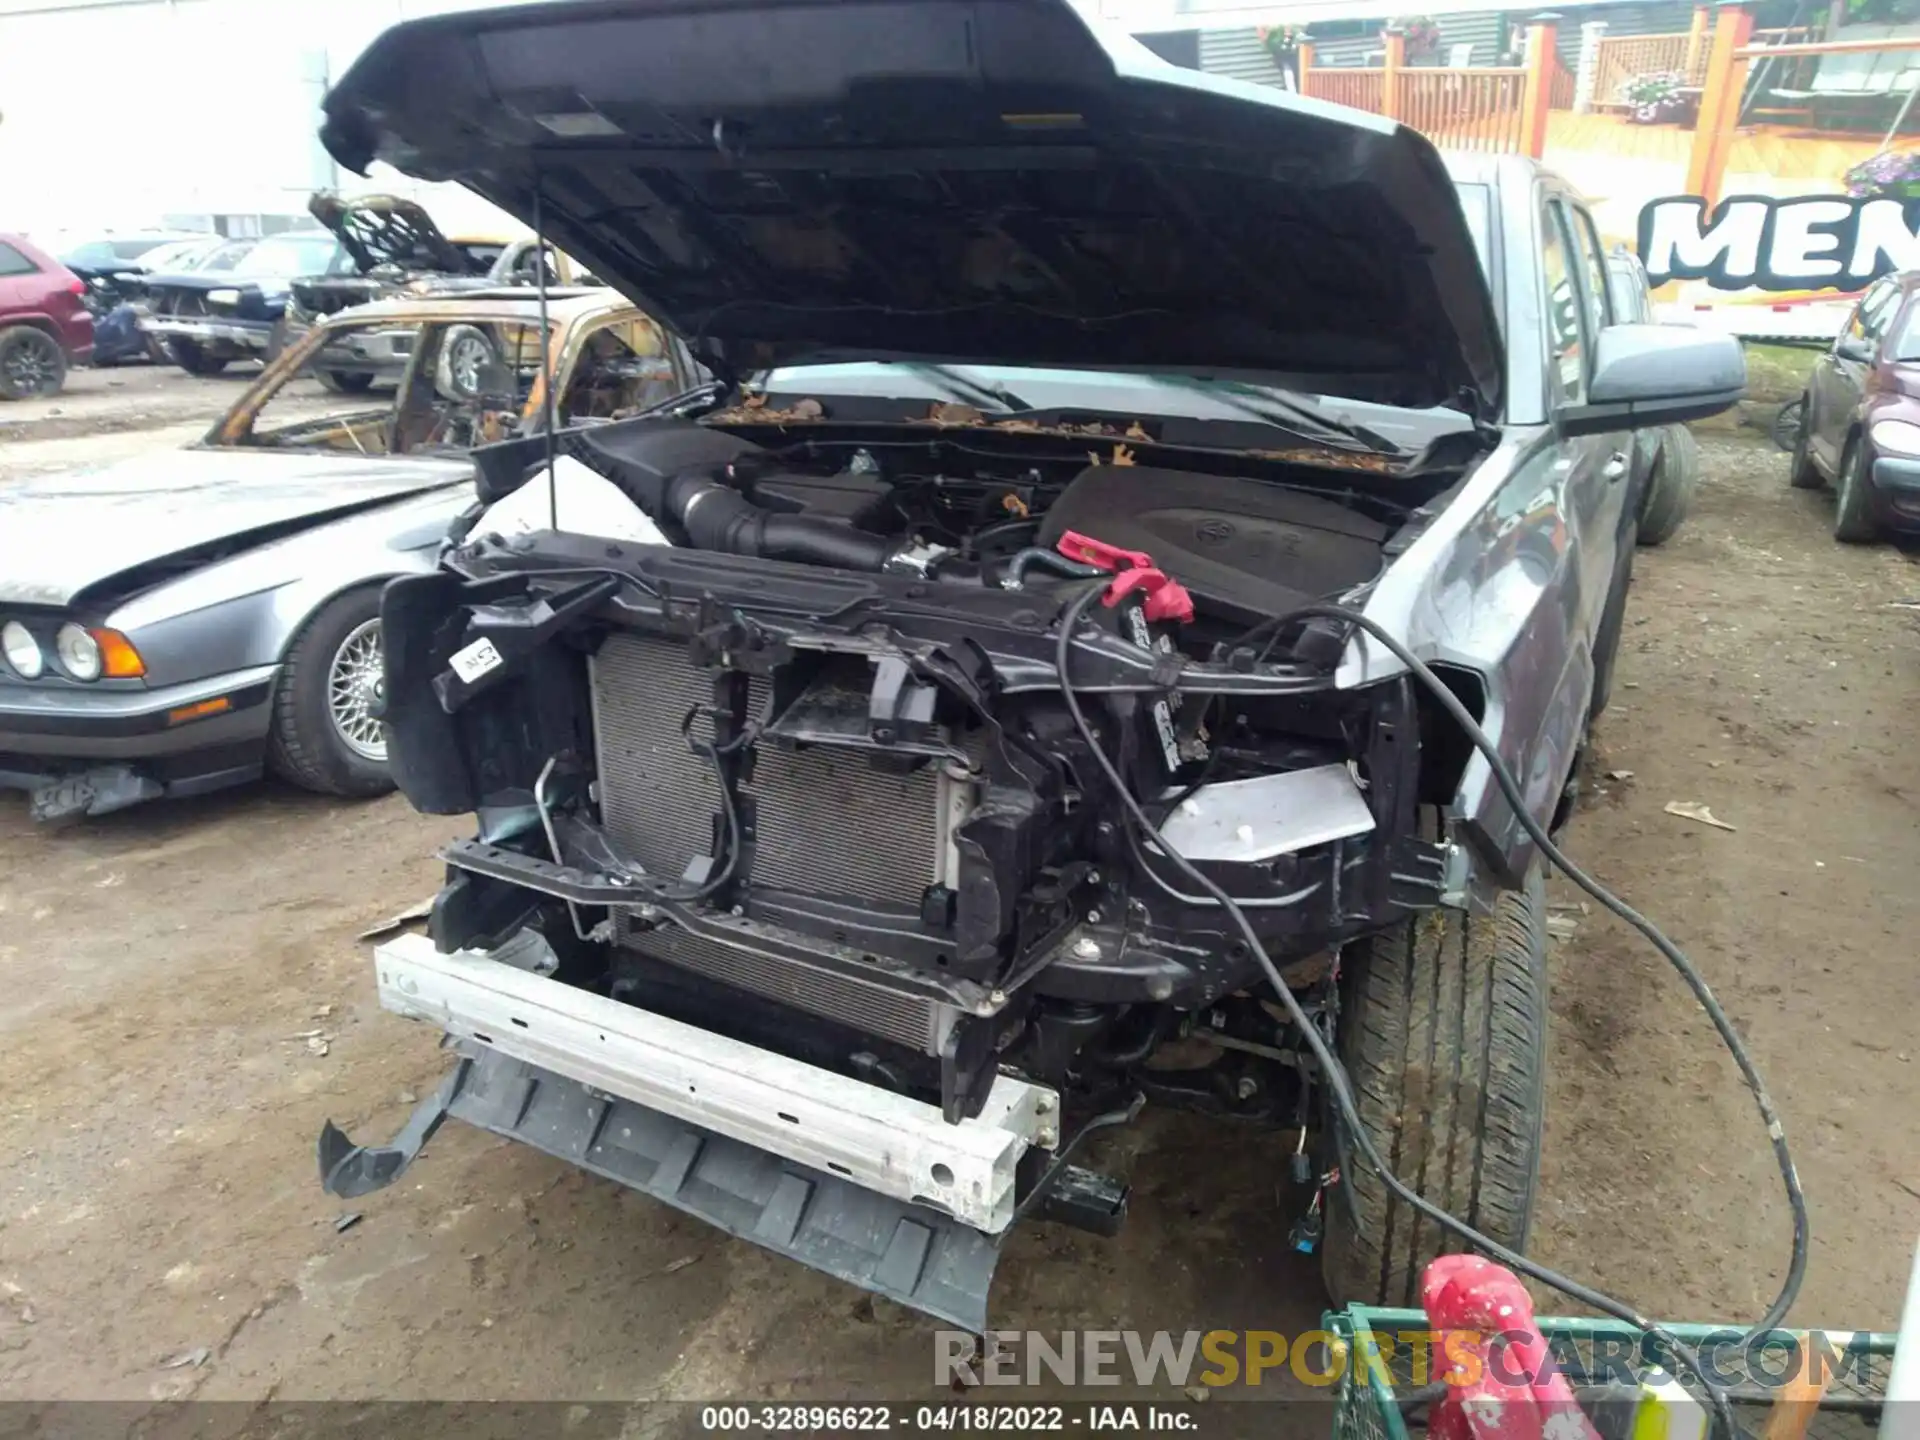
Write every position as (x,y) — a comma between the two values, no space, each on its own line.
(824,822)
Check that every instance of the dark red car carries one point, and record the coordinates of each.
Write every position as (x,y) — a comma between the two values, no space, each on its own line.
(1860,423)
(44,324)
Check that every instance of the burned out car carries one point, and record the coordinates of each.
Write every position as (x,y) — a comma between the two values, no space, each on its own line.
(182,620)
(970,754)
(396,249)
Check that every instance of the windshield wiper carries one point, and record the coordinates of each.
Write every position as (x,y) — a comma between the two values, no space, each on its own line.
(964,387)
(705,393)
(1308,421)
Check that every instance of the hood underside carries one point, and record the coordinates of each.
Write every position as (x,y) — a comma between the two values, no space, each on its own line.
(387,230)
(988,181)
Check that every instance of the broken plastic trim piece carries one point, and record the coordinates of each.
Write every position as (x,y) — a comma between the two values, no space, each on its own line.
(349,1170)
(908,1253)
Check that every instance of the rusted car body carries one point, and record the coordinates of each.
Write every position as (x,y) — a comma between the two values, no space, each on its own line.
(397,250)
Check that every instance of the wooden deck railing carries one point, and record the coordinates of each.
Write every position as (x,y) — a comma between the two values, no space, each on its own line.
(1500,108)
(1734,48)
(1464,109)
(1563,85)
(1617,59)
(1344,86)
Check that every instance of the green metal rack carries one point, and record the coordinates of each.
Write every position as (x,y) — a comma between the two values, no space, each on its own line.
(1387,1370)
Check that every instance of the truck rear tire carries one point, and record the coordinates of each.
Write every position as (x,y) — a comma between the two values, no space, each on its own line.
(1676,472)
(1443,1029)
(1800,472)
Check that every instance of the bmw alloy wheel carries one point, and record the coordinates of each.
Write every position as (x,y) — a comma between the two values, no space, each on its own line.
(355,687)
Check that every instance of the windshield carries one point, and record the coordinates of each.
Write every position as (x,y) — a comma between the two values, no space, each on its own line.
(177,255)
(283,257)
(1108,392)
(1905,345)
(107,254)
(224,257)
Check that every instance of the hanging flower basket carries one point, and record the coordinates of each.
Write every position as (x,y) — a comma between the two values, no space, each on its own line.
(1656,97)
(1282,42)
(1422,34)
(1892,175)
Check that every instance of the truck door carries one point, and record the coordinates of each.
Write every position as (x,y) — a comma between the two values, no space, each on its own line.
(1598,468)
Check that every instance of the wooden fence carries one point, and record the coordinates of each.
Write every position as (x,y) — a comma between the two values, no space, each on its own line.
(1501,108)
(1617,59)
(1476,109)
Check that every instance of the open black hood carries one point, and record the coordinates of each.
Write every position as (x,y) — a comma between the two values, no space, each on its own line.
(994,181)
(387,230)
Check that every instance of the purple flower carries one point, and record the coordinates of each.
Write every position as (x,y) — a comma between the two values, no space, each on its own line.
(1889,172)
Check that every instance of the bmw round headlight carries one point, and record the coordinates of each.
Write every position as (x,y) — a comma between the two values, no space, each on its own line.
(79,652)
(1898,437)
(22,650)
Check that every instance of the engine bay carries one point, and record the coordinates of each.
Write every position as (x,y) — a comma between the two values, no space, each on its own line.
(804,775)
(1244,547)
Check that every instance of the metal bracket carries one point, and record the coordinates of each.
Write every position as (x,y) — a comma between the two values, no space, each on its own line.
(1455,875)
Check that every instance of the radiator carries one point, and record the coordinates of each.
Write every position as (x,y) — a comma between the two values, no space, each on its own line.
(825,823)
(874,1009)
(659,801)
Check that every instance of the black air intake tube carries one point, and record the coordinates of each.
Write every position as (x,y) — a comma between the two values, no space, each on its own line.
(717,517)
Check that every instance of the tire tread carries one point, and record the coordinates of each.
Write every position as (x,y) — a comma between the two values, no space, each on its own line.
(1853,522)
(1469,997)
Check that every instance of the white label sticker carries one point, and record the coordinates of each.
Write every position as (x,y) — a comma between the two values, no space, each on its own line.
(472,661)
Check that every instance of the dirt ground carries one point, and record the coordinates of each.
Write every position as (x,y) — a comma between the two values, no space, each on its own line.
(182,1003)
(107,415)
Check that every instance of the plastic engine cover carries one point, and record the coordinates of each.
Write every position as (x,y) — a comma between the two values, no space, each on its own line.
(1246,549)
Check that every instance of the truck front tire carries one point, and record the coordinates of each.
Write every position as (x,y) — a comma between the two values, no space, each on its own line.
(1443,1031)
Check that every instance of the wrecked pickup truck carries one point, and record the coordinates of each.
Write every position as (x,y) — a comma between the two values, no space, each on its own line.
(950,771)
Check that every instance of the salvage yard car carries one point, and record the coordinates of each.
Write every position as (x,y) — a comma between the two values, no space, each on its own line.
(396,249)
(45,325)
(206,320)
(171,624)
(1860,416)
(822,883)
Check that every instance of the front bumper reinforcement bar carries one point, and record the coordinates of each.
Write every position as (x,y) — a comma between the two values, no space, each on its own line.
(870,1186)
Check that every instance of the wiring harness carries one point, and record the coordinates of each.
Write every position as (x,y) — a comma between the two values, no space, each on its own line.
(1339,1084)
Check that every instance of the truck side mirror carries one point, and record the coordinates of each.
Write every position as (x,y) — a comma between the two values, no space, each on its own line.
(1647,375)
